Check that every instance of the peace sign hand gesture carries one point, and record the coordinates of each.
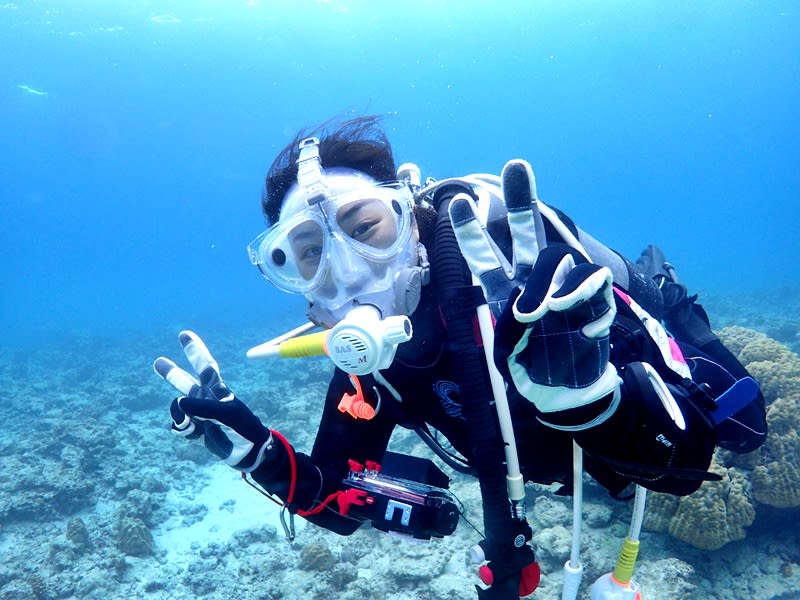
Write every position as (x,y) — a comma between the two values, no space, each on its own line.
(208,409)
(497,277)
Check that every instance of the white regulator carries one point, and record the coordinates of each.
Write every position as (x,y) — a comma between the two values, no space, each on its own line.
(363,343)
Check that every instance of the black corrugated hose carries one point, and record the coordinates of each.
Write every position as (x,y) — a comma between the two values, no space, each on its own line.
(457,297)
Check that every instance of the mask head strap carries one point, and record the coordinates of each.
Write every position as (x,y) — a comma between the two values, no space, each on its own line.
(310,176)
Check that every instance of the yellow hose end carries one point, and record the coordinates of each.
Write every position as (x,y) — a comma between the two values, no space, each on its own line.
(623,570)
(303,346)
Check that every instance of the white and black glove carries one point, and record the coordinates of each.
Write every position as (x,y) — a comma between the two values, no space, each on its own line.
(553,338)
(553,307)
(554,312)
(486,261)
(208,409)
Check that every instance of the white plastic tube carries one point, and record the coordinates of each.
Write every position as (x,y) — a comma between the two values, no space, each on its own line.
(514,481)
(639,501)
(573,568)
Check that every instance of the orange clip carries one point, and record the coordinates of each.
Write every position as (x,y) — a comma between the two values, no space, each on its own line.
(354,404)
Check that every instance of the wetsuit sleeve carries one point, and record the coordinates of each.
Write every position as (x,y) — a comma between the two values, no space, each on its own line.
(626,274)
(340,437)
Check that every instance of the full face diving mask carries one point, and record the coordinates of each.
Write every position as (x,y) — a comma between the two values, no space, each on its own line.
(342,240)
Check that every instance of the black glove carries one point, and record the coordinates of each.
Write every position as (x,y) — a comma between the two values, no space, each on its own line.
(208,409)
(552,339)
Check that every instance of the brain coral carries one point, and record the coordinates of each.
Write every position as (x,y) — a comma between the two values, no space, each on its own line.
(775,367)
(716,514)
(776,480)
(776,476)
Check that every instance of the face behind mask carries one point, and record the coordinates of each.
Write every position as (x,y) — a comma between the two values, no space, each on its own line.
(342,240)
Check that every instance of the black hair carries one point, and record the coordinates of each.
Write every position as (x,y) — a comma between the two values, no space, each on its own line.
(359,143)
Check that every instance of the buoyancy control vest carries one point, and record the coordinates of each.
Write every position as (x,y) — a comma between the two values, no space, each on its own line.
(646,357)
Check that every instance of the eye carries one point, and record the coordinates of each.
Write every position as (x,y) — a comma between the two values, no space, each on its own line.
(361,229)
(368,221)
(311,252)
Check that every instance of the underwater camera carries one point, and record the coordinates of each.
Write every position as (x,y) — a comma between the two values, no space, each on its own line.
(403,494)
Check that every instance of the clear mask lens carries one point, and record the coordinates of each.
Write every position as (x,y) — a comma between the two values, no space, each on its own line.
(373,223)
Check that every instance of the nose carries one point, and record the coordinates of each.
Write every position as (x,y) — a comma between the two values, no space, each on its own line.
(346,267)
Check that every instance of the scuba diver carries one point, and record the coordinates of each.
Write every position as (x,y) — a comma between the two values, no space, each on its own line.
(592,347)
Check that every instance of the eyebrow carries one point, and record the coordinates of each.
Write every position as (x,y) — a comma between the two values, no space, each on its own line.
(303,236)
(353,207)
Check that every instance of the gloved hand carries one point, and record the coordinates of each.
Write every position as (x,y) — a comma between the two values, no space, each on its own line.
(552,340)
(497,277)
(208,409)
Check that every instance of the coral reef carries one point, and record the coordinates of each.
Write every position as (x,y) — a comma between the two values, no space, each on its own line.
(133,537)
(316,556)
(710,518)
(775,477)
(776,481)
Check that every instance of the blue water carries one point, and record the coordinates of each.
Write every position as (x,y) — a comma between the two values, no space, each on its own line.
(135,136)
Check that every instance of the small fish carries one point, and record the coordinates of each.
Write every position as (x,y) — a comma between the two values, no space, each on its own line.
(165,18)
(31,90)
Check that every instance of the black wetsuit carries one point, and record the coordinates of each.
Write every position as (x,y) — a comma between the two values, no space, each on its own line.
(424,374)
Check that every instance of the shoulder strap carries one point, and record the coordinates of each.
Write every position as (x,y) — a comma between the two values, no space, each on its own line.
(669,355)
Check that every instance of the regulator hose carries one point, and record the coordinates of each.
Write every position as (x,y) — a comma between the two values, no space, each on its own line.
(458,298)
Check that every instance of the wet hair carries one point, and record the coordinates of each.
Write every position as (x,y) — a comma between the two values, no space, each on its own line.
(358,143)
